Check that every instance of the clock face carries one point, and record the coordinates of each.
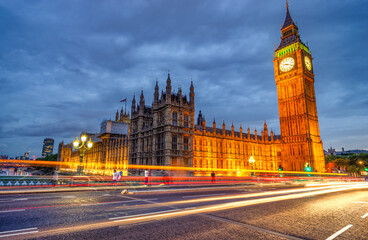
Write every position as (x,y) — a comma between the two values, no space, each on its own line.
(308,63)
(287,64)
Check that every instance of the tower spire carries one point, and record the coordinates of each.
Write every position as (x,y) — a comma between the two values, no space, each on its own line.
(289,31)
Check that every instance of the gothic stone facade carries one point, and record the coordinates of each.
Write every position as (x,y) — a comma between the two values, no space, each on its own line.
(166,133)
(163,134)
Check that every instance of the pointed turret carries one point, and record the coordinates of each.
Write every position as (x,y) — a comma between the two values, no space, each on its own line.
(248,133)
(255,134)
(199,118)
(191,94)
(265,131)
(241,131)
(223,128)
(133,104)
(117,116)
(214,126)
(122,113)
(141,101)
(168,88)
(204,124)
(271,135)
(156,95)
(180,95)
(262,135)
(232,129)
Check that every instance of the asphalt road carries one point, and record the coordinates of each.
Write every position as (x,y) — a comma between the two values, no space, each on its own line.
(236,213)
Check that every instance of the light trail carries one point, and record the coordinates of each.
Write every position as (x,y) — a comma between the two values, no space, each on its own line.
(18,232)
(225,206)
(198,210)
(250,195)
(173,168)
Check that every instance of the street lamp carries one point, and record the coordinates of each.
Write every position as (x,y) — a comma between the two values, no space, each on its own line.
(307,167)
(82,147)
(251,161)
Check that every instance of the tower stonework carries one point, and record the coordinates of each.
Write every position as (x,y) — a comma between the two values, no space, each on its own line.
(300,138)
(162,134)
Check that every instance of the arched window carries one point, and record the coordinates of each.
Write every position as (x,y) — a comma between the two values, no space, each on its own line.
(186,120)
(175,118)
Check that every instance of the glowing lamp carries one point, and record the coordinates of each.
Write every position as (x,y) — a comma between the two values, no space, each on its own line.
(83,138)
(76,143)
(89,144)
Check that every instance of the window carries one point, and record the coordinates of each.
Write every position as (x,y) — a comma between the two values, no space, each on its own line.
(175,118)
(186,143)
(174,142)
(160,161)
(186,120)
(160,140)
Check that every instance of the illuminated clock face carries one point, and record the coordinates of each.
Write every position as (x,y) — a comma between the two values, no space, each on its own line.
(287,64)
(308,63)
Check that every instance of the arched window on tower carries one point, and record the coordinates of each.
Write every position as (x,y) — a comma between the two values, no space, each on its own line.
(175,118)
(186,120)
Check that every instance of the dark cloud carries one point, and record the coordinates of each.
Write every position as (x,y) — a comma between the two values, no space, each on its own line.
(65,65)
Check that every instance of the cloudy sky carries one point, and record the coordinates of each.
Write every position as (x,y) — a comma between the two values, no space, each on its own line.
(65,65)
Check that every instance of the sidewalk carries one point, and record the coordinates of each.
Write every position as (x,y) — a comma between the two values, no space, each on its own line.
(154,189)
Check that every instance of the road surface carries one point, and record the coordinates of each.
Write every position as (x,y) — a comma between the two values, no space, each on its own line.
(314,212)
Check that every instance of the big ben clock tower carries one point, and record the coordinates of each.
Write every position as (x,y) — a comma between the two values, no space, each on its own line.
(301,141)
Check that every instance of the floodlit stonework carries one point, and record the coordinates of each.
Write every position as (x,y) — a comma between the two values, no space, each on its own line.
(167,133)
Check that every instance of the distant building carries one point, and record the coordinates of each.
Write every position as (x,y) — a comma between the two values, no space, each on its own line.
(109,151)
(4,157)
(332,152)
(48,147)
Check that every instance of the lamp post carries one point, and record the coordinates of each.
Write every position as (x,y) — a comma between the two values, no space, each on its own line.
(251,161)
(82,147)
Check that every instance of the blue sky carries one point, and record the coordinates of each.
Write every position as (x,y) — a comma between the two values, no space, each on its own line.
(65,65)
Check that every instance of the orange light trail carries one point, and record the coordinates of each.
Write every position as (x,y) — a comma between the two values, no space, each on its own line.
(225,206)
(173,168)
(190,211)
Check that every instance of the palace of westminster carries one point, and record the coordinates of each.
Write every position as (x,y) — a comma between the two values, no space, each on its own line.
(167,133)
